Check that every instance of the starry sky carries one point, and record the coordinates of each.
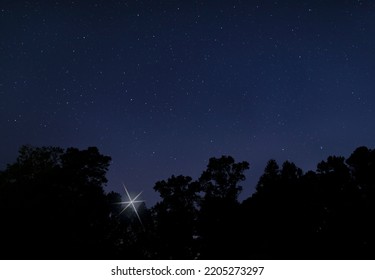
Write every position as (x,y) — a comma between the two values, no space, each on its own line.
(162,86)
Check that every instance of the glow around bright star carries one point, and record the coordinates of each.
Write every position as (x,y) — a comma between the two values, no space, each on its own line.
(131,203)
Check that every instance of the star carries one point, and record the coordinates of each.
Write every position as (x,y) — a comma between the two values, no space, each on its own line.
(130,203)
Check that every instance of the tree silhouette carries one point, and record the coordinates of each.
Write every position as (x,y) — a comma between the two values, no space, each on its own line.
(362,165)
(53,204)
(175,217)
(339,206)
(273,211)
(218,217)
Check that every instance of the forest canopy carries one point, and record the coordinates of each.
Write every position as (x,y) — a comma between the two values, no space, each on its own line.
(53,205)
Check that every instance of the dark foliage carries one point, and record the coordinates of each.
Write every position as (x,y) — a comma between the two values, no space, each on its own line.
(53,206)
(52,203)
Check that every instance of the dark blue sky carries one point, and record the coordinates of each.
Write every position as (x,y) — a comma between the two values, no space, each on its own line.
(162,86)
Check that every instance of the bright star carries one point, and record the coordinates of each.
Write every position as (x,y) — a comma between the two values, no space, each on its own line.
(130,203)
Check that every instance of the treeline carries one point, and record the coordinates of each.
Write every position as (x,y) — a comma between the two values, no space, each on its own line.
(53,206)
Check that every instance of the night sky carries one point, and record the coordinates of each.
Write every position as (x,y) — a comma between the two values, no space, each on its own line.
(162,86)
